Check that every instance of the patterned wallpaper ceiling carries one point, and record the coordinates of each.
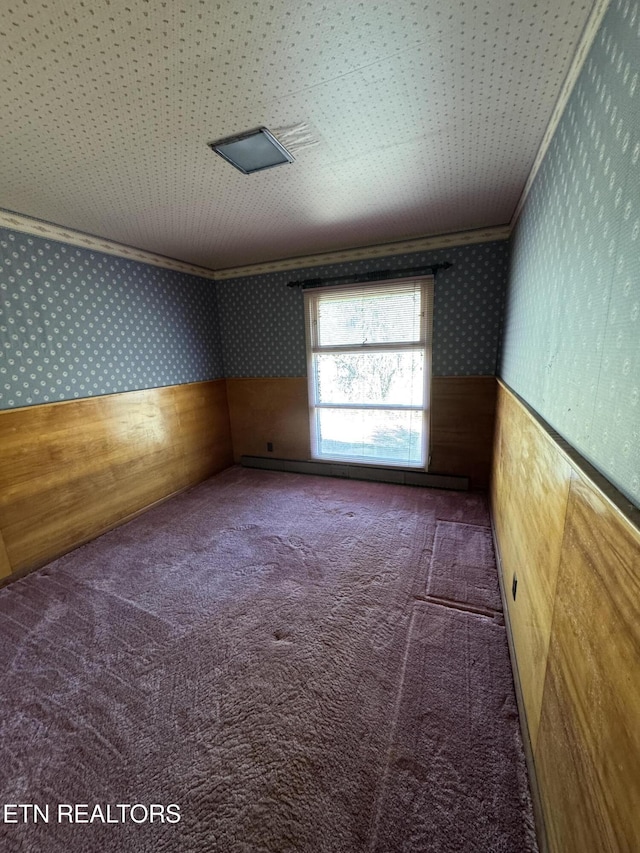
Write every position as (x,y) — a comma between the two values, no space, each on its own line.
(407,118)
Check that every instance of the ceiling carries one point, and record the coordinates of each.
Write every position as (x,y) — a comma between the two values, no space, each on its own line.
(407,119)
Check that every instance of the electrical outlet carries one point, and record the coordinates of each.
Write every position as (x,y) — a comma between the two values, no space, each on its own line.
(270,446)
(514,587)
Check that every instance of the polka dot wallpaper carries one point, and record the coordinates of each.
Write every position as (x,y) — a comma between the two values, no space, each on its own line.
(263,319)
(78,323)
(572,326)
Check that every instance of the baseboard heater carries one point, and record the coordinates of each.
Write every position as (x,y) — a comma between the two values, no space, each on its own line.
(400,476)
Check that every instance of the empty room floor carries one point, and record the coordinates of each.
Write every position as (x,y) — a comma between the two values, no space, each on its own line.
(293,663)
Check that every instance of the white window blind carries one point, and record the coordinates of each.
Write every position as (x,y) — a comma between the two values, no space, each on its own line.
(369,371)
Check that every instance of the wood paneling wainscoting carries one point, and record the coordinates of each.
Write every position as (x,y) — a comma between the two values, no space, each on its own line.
(271,409)
(276,410)
(463,412)
(574,544)
(69,471)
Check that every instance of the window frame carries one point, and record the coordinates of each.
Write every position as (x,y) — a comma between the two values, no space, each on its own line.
(311,299)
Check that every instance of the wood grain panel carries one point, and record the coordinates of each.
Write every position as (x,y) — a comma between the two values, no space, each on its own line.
(529,497)
(204,430)
(5,565)
(72,470)
(276,410)
(588,752)
(506,461)
(462,426)
(273,409)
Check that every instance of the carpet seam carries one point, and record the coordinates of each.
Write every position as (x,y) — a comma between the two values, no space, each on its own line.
(462,606)
(373,836)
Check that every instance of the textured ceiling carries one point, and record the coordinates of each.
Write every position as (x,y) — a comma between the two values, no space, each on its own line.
(407,118)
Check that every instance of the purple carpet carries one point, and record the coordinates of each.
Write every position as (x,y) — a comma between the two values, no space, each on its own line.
(447,773)
(267,658)
(463,566)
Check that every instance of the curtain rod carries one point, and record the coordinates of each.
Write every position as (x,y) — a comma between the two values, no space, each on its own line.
(374,275)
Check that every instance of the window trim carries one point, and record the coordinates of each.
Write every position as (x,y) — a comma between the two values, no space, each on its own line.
(426,283)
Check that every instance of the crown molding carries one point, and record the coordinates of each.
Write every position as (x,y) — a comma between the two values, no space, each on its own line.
(584,46)
(423,244)
(38,228)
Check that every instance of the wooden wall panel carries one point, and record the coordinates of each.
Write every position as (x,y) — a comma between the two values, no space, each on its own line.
(588,752)
(277,410)
(529,494)
(271,409)
(462,424)
(575,628)
(204,438)
(5,565)
(72,470)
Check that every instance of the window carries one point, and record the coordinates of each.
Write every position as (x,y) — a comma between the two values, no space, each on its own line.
(368,349)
